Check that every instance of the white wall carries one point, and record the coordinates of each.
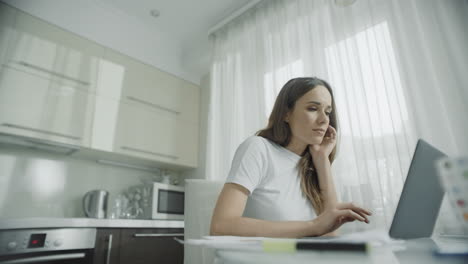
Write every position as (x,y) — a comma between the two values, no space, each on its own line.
(43,184)
(114,29)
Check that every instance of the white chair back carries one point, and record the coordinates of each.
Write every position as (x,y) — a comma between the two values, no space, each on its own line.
(200,200)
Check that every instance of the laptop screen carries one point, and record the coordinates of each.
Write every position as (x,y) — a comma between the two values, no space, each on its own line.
(421,197)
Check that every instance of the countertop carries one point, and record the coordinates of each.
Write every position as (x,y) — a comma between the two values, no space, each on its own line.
(44,222)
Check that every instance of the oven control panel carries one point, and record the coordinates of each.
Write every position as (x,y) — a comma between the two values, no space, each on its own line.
(38,240)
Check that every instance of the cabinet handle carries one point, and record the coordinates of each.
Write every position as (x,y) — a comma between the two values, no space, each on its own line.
(40,131)
(109,249)
(60,75)
(159,235)
(149,152)
(153,105)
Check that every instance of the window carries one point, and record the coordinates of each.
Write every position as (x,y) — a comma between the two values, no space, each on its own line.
(373,119)
(363,71)
(280,76)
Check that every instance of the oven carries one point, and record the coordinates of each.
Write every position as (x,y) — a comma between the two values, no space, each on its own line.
(57,245)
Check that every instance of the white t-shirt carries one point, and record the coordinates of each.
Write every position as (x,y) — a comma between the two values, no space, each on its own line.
(269,172)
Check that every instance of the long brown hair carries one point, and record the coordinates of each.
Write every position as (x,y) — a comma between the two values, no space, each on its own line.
(278,131)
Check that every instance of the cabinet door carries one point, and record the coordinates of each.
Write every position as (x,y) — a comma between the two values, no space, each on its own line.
(190,103)
(156,135)
(45,50)
(107,246)
(36,107)
(158,113)
(7,20)
(104,127)
(148,86)
(143,246)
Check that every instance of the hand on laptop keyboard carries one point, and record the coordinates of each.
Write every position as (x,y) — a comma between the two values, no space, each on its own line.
(331,219)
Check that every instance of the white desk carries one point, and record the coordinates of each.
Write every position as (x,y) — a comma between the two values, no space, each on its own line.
(413,252)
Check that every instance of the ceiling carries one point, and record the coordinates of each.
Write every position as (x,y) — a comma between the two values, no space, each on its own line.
(183,19)
(186,21)
(175,42)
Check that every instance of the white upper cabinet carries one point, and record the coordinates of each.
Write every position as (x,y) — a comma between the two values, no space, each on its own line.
(156,114)
(189,101)
(7,20)
(138,130)
(57,86)
(154,135)
(45,50)
(36,107)
(148,86)
(46,78)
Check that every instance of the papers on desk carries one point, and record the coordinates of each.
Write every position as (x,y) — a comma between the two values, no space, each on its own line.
(451,246)
(374,236)
(227,242)
(350,242)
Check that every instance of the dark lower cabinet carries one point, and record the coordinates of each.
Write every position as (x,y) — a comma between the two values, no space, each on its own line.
(107,248)
(144,246)
(139,246)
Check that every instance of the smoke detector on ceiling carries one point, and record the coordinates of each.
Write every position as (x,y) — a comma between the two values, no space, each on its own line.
(155,13)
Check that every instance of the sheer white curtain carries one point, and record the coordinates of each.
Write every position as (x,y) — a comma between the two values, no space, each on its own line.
(398,69)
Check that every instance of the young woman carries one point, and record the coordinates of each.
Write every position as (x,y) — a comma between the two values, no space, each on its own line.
(280,182)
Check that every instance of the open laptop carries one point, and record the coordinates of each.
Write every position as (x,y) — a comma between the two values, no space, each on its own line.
(421,197)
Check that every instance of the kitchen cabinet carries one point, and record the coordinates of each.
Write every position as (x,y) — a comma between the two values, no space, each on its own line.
(7,20)
(107,248)
(138,131)
(190,102)
(157,116)
(59,87)
(152,134)
(48,51)
(145,85)
(139,245)
(36,107)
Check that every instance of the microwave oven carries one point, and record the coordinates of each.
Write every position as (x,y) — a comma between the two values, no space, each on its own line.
(165,202)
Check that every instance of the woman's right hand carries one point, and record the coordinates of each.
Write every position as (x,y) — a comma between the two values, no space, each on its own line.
(331,219)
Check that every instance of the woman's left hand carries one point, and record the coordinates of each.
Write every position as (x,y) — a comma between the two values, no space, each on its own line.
(326,147)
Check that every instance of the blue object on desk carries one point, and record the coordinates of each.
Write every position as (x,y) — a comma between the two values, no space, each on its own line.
(447,252)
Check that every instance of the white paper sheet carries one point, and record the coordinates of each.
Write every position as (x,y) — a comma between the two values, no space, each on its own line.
(373,237)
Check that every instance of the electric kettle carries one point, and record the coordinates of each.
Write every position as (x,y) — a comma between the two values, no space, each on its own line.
(95,203)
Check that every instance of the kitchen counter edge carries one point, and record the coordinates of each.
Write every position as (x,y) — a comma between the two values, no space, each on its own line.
(39,222)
